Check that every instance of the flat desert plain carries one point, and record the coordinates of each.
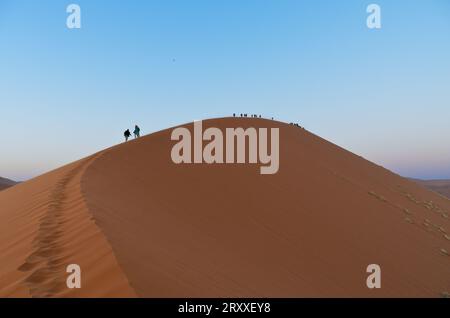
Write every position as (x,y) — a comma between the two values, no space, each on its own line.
(440,186)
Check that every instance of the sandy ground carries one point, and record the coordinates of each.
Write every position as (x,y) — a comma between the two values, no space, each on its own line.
(139,225)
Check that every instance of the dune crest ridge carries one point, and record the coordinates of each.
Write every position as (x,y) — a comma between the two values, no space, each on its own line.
(45,227)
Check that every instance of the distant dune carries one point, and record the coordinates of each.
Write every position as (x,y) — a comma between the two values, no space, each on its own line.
(6,183)
(139,225)
(439,186)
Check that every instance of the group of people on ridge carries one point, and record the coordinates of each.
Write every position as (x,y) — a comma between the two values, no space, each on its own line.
(136,132)
(245,115)
(251,115)
(259,116)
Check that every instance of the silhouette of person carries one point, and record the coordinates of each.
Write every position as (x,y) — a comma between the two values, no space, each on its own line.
(137,131)
(127,134)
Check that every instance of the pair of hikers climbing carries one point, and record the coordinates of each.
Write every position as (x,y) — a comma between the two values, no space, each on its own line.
(136,132)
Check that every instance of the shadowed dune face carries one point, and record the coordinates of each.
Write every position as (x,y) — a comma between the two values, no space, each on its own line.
(225,230)
(138,224)
(440,186)
(6,183)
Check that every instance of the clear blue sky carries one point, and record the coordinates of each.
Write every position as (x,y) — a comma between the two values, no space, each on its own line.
(383,94)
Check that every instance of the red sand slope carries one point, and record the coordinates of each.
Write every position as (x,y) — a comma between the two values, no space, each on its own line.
(139,225)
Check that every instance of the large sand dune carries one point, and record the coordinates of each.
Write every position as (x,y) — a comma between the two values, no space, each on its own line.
(139,225)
